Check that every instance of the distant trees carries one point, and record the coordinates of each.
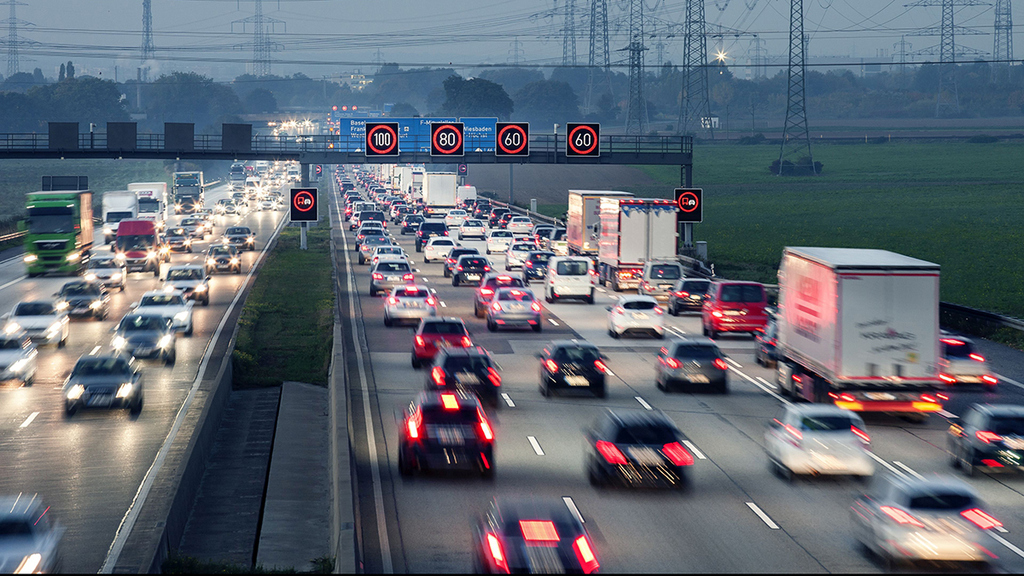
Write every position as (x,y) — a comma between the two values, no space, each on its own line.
(260,101)
(547,102)
(403,110)
(475,97)
(512,79)
(190,97)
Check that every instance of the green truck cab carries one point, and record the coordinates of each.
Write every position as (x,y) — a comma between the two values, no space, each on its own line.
(59,230)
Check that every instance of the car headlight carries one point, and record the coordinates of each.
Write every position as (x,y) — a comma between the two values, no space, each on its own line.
(118,342)
(29,564)
(188,242)
(108,231)
(96,305)
(150,254)
(170,288)
(17,366)
(165,249)
(181,316)
(234,260)
(75,392)
(200,288)
(90,277)
(73,257)
(166,341)
(53,327)
(62,305)
(30,258)
(119,258)
(12,327)
(124,390)
(115,276)
(211,261)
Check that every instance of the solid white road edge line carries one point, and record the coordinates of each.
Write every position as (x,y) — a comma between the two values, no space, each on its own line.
(29,420)
(573,509)
(508,400)
(1000,376)
(1004,542)
(12,282)
(886,464)
(700,455)
(135,508)
(734,363)
(764,517)
(536,445)
(908,469)
(643,403)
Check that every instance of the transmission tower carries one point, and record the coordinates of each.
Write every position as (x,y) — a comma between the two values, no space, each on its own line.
(599,57)
(515,52)
(569,34)
(261,43)
(694,105)
(636,114)
(14,41)
(147,38)
(1002,47)
(796,140)
(947,100)
(758,56)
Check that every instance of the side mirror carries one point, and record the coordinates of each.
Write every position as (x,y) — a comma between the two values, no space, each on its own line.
(134,305)
(112,330)
(608,308)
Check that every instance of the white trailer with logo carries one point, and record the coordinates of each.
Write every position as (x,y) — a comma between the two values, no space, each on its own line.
(152,198)
(634,231)
(582,227)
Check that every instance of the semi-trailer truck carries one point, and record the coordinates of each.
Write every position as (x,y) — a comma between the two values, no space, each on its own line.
(582,227)
(152,198)
(633,231)
(59,230)
(189,192)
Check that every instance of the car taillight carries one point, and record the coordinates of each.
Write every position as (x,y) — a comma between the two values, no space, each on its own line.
(392,300)
(673,363)
(981,519)
(450,260)
(901,516)
(538,531)
(535,306)
(600,366)
(681,294)
(486,292)
(420,342)
(493,376)
(485,430)
(497,554)
(407,277)
(947,378)
(860,434)
(487,268)
(496,307)
(977,357)
(438,376)
(378,276)
(413,426)
(720,364)
(619,310)
(988,378)
(928,398)
(529,264)
(677,454)
(551,365)
(445,232)
(658,310)
(716,313)
(611,453)
(466,342)
(795,437)
(430,301)
(988,437)
(459,267)
(585,555)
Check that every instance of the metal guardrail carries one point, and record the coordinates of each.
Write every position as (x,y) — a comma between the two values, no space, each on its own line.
(976,321)
(535,216)
(13,236)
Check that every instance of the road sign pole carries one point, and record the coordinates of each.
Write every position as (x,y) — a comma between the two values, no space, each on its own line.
(302,237)
(510,183)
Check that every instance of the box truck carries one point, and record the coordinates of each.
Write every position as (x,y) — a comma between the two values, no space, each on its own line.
(438,193)
(117,205)
(152,198)
(58,226)
(582,229)
(633,231)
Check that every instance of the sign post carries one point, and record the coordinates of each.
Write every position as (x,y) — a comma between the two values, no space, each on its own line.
(303,209)
(689,211)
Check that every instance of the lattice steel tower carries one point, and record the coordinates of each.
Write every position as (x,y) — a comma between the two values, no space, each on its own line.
(947,100)
(636,114)
(261,43)
(796,139)
(599,57)
(569,34)
(14,41)
(1002,47)
(147,38)
(694,104)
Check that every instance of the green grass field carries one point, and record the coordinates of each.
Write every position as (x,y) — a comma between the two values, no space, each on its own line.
(960,205)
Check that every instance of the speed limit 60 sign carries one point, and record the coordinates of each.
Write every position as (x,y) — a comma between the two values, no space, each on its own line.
(303,205)
(689,205)
(582,139)
(513,139)
(382,138)
(446,139)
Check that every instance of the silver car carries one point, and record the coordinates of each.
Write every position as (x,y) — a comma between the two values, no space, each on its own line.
(18,357)
(389,273)
(514,307)
(41,320)
(697,363)
(30,541)
(108,270)
(517,253)
(409,302)
(108,381)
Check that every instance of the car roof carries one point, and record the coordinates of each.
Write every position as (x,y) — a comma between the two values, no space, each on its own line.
(162,293)
(1000,409)
(185,267)
(640,418)
(637,298)
(912,485)
(694,340)
(442,319)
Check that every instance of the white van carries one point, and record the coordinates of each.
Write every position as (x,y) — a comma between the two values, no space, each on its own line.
(570,277)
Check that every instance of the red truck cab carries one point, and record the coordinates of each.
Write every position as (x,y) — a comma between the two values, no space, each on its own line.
(140,247)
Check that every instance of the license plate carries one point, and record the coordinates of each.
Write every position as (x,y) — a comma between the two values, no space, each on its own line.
(450,436)
(828,462)
(410,304)
(644,455)
(577,381)
(639,315)
(515,307)
(394,278)
(99,400)
(472,276)
(665,287)
(734,312)
(467,379)
(697,378)
(880,396)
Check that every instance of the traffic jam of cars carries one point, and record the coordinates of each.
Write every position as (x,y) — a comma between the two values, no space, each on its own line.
(511,269)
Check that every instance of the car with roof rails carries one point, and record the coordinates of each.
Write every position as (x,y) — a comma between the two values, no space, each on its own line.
(409,302)
(988,437)
(18,357)
(41,320)
(962,364)
(223,257)
(818,439)
(241,237)
(387,274)
(470,269)
(434,334)
(446,430)
(429,229)
(515,308)
(171,305)
(636,449)
(30,540)
(145,336)
(472,369)
(695,362)
(107,270)
(83,298)
(453,256)
(107,381)
(489,285)
(572,365)
(191,280)
(632,314)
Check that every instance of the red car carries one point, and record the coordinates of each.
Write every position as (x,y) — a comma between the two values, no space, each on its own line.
(734,307)
(435,333)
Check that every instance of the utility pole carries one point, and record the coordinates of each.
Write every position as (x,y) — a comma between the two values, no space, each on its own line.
(14,42)
(261,42)
(694,103)
(947,100)
(636,114)
(796,139)
(147,38)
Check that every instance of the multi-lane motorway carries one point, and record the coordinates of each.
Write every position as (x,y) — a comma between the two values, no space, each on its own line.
(89,468)
(736,516)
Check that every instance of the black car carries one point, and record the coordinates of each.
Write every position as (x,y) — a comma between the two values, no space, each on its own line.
(537,536)
(470,369)
(766,343)
(145,336)
(446,429)
(496,215)
(489,285)
(687,294)
(470,269)
(178,240)
(696,362)
(411,223)
(427,230)
(636,449)
(453,256)
(989,436)
(223,258)
(481,210)
(504,219)
(82,298)
(240,237)
(572,365)
(103,382)
(535,266)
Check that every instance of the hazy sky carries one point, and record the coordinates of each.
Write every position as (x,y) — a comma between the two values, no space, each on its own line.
(330,37)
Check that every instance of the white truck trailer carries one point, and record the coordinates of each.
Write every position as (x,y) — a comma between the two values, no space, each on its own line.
(859,328)
(633,231)
(438,193)
(582,230)
(152,198)
(117,205)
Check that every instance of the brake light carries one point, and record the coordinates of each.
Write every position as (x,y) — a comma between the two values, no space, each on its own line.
(430,301)
(981,519)
(928,398)
(947,378)
(619,310)
(551,365)
(720,364)
(459,267)
(860,434)
(539,531)
(673,363)
(658,310)
(485,429)
(493,376)
(681,294)
(600,366)
(413,425)
(677,454)
(497,554)
(392,300)
(486,292)
(988,437)
(952,341)
(438,375)
(901,516)
(535,307)
(445,232)
(420,341)
(585,555)
(449,401)
(466,342)
(407,276)
(847,397)
(450,260)
(496,307)
(529,264)
(990,379)
(977,357)
(487,268)
(611,453)
(378,276)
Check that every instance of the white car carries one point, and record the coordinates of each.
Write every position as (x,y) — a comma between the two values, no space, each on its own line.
(960,363)
(438,248)
(818,439)
(517,253)
(570,277)
(30,540)
(636,314)
(17,357)
(499,241)
(171,305)
(41,320)
(520,225)
(266,204)
(387,252)
(410,302)
(455,218)
(191,280)
(473,229)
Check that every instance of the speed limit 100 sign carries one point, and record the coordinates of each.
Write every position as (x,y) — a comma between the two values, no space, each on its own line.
(513,139)
(382,138)
(446,139)
(582,139)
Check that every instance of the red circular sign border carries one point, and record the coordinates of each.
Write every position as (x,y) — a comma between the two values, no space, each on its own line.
(696,202)
(311,203)
(394,145)
(438,130)
(588,128)
(517,128)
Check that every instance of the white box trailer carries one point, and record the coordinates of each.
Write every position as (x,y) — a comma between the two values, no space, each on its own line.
(860,328)
(117,205)
(581,228)
(152,198)
(634,231)
(438,193)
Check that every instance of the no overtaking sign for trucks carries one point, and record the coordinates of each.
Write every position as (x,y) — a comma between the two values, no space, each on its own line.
(303,205)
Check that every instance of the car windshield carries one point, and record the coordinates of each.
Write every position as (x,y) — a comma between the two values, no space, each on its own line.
(13,528)
(34,309)
(696,352)
(558,234)
(238,230)
(375,216)
(388,250)
(103,263)
(645,434)
(577,355)
(523,247)
(466,364)
(392,267)
(639,305)
(220,251)
(572,268)
(411,293)
(472,262)
(1007,425)
(742,293)
(472,224)
(442,243)
(501,234)
(143,323)
(94,366)
(444,328)
(512,281)
(946,500)
(375,240)
(541,257)
(696,286)
(956,348)
(10,344)
(130,242)
(439,415)
(184,274)
(82,289)
(515,295)
(162,300)
(665,272)
(178,232)
(191,221)
(826,423)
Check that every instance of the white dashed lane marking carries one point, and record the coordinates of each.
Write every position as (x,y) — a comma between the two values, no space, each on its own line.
(29,420)
(764,517)
(643,403)
(536,445)
(508,400)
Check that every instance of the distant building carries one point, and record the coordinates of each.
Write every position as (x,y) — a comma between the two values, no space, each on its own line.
(356,81)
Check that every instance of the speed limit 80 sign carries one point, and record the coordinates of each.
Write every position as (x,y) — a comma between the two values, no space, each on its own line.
(446,139)
(582,139)
(513,139)
(382,138)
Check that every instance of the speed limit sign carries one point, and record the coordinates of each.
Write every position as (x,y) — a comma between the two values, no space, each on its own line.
(582,139)
(382,138)
(513,139)
(446,139)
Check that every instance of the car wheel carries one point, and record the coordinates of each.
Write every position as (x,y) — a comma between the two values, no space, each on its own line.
(952,459)
(426,260)
(447,272)
(361,260)
(455,280)
(136,408)
(190,328)
(69,410)
(594,477)
(545,390)
(590,298)
(967,462)
(703,330)
(712,333)
(189,250)
(206,301)
(238,270)
(418,247)
(62,342)
(156,271)
(491,326)
(613,333)
(672,310)
(373,292)
(538,326)
(548,297)
(169,359)
(659,335)
(723,388)
(404,468)
(659,384)
(416,362)
(600,392)
(477,312)
(388,321)
(122,287)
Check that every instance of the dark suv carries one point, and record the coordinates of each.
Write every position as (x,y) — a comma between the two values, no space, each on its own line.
(637,448)
(446,429)
(496,214)
(481,210)
(687,294)
(469,369)
(989,436)
(572,365)
(453,258)
(427,230)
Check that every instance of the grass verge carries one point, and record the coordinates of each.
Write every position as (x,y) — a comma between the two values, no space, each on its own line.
(287,323)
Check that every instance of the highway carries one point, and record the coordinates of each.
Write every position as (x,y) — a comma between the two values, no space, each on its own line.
(735,517)
(89,468)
